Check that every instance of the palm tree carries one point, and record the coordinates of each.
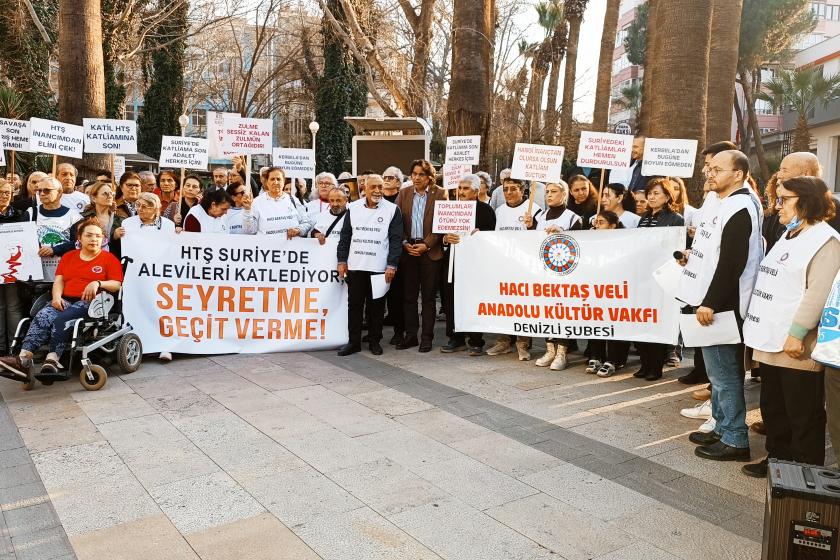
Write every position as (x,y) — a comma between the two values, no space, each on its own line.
(541,54)
(12,103)
(801,90)
(574,10)
(551,18)
(726,21)
(603,89)
(631,99)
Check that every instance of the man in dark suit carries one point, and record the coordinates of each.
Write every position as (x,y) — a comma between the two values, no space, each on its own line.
(422,253)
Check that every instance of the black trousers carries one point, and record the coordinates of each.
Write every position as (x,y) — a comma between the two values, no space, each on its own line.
(474,339)
(396,303)
(613,351)
(793,410)
(358,295)
(420,278)
(653,356)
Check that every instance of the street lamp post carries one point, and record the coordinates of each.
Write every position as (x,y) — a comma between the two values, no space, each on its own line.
(183,120)
(313,128)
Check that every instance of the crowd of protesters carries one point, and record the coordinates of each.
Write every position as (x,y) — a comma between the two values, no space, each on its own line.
(740,243)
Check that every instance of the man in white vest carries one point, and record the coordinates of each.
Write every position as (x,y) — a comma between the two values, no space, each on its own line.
(328,224)
(718,277)
(370,245)
(273,212)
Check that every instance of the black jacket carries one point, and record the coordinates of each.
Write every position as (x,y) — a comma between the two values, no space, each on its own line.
(12,215)
(665,218)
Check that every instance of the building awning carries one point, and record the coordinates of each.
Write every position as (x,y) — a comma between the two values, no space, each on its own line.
(409,125)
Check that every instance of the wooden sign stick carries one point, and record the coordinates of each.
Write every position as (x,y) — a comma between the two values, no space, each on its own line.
(600,191)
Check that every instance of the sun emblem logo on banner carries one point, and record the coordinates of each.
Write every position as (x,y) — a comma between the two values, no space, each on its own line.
(560,254)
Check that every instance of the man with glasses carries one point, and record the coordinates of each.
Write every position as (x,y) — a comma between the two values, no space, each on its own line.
(76,200)
(422,254)
(147,181)
(370,244)
(720,271)
(393,178)
(55,221)
(324,182)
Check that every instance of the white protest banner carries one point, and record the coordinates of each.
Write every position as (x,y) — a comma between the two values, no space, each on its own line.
(452,173)
(669,157)
(296,162)
(57,138)
(537,162)
(15,134)
(119,168)
(246,136)
(183,152)
(110,136)
(215,126)
(216,294)
(454,216)
(19,258)
(580,284)
(2,154)
(604,150)
(463,149)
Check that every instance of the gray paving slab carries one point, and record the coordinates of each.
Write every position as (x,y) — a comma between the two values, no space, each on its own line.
(117,407)
(361,534)
(48,544)
(407,447)
(510,457)
(638,551)
(391,402)
(330,450)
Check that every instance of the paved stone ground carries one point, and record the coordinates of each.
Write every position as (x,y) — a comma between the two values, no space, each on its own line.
(403,456)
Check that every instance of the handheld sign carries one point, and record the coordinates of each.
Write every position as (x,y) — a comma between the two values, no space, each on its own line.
(452,173)
(183,152)
(669,157)
(215,128)
(15,135)
(3,155)
(463,149)
(536,162)
(295,162)
(604,150)
(246,136)
(110,136)
(56,138)
(119,168)
(454,216)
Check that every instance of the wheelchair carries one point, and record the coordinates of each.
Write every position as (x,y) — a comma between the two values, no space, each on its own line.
(103,334)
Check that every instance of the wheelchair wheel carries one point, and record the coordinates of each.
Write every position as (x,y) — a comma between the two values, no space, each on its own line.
(99,375)
(129,352)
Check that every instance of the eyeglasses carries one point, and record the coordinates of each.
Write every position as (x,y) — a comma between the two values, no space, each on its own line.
(389,177)
(780,200)
(132,186)
(716,170)
(5,193)
(325,183)
(239,193)
(107,194)
(510,189)
(46,191)
(374,187)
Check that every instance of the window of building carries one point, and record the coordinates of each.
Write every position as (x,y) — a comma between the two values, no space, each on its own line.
(809,41)
(620,64)
(763,107)
(198,119)
(130,113)
(620,36)
(824,11)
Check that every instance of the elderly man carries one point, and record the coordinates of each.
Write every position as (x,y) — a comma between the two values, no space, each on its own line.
(54,220)
(147,181)
(370,244)
(71,198)
(485,220)
(220,178)
(15,181)
(328,224)
(393,182)
(422,254)
(325,183)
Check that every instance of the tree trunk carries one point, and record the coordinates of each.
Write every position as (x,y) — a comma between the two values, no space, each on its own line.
(551,102)
(654,42)
(743,131)
(802,135)
(567,109)
(533,105)
(468,108)
(723,53)
(749,101)
(420,63)
(677,100)
(603,90)
(81,80)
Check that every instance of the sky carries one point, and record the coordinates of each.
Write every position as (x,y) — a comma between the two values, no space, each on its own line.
(589,49)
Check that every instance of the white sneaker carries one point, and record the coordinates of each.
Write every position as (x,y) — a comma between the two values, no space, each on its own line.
(708,426)
(548,357)
(703,410)
(165,356)
(593,366)
(606,370)
(499,348)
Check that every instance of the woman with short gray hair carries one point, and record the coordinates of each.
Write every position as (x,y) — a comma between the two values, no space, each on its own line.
(486,186)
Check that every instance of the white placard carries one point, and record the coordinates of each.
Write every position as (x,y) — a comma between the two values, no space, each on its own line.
(463,149)
(15,134)
(575,284)
(537,162)
(669,157)
(58,138)
(119,168)
(215,126)
(19,258)
(454,216)
(723,330)
(605,150)
(246,136)
(110,136)
(183,152)
(2,154)
(452,173)
(295,162)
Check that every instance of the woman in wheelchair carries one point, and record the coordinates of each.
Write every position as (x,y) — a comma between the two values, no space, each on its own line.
(80,276)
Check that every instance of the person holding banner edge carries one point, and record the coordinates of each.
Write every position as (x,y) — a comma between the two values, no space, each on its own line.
(10,306)
(273,212)
(370,244)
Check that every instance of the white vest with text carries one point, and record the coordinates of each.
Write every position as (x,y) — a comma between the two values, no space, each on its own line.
(370,244)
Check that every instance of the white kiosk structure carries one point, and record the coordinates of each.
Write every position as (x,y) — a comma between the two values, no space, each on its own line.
(383,141)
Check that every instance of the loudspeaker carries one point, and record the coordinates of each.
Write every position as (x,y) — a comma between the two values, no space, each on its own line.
(802,512)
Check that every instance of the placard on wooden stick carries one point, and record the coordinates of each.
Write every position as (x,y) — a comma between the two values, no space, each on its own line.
(247,136)
(15,134)
(669,157)
(537,162)
(463,149)
(183,152)
(56,138)
(295,162)
(604,150)
(454,216)
(110,136)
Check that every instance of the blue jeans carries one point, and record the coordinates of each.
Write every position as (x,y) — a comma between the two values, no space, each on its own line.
(729,409)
